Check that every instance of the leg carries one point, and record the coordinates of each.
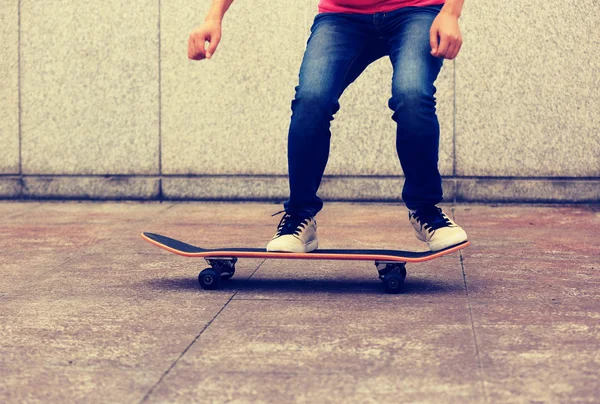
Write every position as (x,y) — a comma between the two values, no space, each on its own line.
(338,50)
(418,131)
(413,103)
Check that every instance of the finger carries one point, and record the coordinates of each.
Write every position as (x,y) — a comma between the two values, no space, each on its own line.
(459,45)
(455,48)
(433,40)
(451,53)
(199,48)
(443,48)
(213,46)
(191,48)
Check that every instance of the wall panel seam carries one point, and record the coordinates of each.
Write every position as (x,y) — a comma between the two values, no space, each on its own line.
(19,108)
(160,189)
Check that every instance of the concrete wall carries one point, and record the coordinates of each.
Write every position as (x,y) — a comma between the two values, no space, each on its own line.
(100,101)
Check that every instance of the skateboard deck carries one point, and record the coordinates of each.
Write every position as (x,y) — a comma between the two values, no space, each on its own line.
(391,264)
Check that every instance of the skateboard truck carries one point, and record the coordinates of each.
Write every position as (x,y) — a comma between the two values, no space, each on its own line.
(392,274)
(221,268)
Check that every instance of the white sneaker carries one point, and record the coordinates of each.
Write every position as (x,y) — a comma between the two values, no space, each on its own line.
(436,229)
(295,234)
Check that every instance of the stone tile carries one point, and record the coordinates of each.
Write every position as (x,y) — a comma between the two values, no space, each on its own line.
(564,314)
(354,189)
(368,189)
(9,210)
(127,275)
(200,213)
(38,239)
(258,89)
(102,332)
(10,187)
(9,96)
(524,252)
(334,217)
(225,188)
(349,347)
(90,88)
(516,190)
(540,363)
(528,279)
(20,269)
(63,384)
(141,275)
(104,311)
(524,101)
(397,385)
(330,337)
(87,212)
(91,187)
(541,217)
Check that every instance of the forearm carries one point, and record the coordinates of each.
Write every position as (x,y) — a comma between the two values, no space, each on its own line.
(217,10)
(453,7)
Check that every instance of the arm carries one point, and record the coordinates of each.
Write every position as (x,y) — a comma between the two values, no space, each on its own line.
(217,10)
(453,7)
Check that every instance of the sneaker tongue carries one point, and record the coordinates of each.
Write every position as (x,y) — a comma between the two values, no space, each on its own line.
(431,216)
(291,223)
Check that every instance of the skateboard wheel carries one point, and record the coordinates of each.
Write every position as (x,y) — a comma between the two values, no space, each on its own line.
(393,283)
(228,275)
(209,279)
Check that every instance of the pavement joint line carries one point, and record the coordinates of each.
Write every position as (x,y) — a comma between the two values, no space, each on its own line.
(253,272)
(479,364)
(147,395)
(464,275)
(194,341)
(29,283)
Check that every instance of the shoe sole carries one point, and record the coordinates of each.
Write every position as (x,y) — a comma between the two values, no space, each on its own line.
(448,242)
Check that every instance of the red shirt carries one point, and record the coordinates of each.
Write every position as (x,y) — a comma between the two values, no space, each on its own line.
(370,6)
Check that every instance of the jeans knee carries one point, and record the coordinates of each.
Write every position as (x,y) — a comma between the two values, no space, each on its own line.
(411,99)
(315,101)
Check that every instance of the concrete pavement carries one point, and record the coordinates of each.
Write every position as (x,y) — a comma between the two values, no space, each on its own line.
(90,312)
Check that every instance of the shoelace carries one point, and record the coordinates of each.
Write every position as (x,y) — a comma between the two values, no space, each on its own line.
(432,219)
(290,224)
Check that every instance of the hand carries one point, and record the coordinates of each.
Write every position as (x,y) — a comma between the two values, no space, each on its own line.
(445,26)
(209,31)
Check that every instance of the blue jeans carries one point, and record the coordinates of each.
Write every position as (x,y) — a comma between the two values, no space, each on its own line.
(338,50)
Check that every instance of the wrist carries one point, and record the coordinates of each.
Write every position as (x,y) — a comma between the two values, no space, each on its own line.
(213,18)
(452,7)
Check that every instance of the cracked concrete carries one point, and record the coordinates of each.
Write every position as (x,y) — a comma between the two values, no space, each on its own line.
(89,312)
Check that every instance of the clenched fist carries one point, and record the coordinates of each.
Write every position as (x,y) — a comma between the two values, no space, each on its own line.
(445,27)
(209,31)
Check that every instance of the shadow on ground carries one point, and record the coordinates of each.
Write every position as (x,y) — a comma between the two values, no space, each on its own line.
(411,286)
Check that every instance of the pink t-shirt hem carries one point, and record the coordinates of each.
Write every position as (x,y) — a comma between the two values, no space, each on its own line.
(371,6)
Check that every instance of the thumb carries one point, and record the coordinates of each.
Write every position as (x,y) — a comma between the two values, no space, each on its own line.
(433,39)
(214,42)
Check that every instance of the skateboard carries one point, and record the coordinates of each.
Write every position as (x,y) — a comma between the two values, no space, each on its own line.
(390,264)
